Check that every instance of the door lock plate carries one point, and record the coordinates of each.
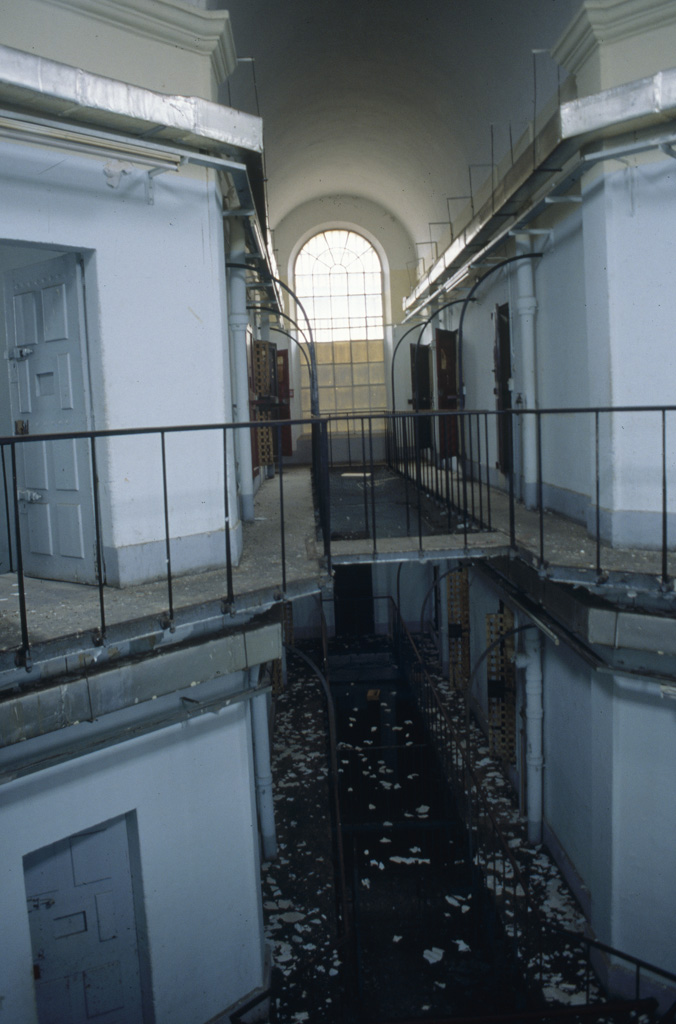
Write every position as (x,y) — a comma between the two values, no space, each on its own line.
(20,352)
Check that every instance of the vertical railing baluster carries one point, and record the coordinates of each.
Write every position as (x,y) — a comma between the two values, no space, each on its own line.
(488,470)
(462,462)
(325,485)
(418,478)
(24,655)
(405,444)
(665,567)
(363,462)
(280,467)
(480,474)
(373,484)
(597,472)
(436,427)
(7,511)
(512,507)
(447,462)
(230,595)
(97,528)
(471,462)
(538,421)
(167,540)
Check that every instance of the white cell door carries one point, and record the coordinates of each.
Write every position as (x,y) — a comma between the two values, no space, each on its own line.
(46,356)
(83,932)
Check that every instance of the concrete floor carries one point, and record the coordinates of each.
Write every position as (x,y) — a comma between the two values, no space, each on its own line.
(61,609)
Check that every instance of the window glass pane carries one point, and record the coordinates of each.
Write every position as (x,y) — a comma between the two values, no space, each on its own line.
(338,279)
(331,266)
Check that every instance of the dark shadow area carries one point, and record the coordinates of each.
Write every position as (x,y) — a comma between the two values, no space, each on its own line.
(427,943)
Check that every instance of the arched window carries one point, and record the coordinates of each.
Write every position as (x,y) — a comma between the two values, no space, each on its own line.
(339,280)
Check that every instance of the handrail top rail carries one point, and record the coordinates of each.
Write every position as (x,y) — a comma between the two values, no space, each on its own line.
(11,439)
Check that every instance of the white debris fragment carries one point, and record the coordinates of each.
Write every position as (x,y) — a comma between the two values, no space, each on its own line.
(423,809)
(396,938)
(410,860)
(433,955)
(462,946)
(452,901)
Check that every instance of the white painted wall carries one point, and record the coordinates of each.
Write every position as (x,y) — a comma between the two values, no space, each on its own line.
(629,224)
(167,47)
(567,746)
(190,788)
(644,822)
(483,601)
(157,329)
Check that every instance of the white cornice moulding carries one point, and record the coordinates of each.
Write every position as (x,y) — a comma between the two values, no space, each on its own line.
(207,33)
(600,22)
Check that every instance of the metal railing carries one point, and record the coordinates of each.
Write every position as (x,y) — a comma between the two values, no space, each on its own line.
(464,473)
(489,851)
(614,463)
(164,501)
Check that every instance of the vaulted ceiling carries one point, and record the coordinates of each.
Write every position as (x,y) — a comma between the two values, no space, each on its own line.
(390,100)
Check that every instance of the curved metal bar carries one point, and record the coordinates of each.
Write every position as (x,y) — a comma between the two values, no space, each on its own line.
(453,302)
(288,334)
(314,385)
(333,761)
(468,298)
(278,312)
(396,349)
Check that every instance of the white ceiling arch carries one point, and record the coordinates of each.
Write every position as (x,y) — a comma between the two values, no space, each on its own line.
(390,100)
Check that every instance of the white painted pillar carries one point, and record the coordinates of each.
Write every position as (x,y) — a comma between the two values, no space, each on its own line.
(263,771)
(238,321)
(526,312)
(531,660)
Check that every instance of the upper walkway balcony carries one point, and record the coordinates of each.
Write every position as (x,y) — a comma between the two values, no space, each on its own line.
(580,496)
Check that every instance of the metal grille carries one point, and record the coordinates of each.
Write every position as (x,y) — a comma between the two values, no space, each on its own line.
(501,676)
(457,594)
(263,381)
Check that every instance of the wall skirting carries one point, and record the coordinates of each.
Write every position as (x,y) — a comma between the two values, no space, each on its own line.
(142,563)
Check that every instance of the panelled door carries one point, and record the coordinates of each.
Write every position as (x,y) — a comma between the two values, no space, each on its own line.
(447,387)
(46,357)
(421,388)
(83,930)
(502,355)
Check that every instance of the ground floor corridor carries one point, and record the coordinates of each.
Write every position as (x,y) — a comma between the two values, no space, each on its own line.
(426,940)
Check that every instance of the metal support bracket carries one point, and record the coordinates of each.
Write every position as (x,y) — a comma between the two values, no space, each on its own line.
(152,174)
